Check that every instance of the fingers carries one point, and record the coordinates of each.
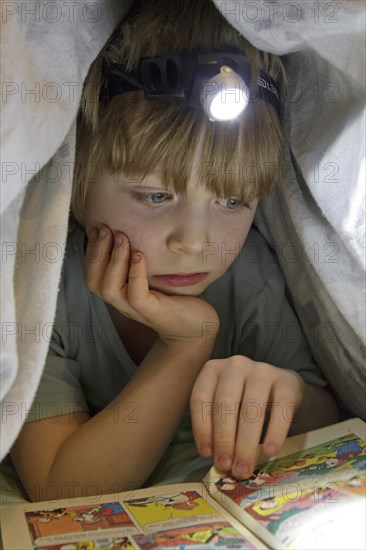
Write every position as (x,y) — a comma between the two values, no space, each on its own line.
(272,390)
(228,407)
(215,409)
(286,397)
(202,408)
(251,421)
(97,258)
(227,400)
(107,264)
(113,287)
(118,275)
(239,398)
(138,286)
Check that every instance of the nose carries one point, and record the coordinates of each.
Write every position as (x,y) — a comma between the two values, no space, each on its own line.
(190,230)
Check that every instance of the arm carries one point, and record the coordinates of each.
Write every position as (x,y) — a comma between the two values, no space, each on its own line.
(107,453)
(237,401)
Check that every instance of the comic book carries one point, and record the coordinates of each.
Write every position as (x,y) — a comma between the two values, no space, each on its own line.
(312,496)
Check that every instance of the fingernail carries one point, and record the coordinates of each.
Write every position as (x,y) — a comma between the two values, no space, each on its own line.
(102,232)
(241,469)
(136,257)
(224,461)
(271,449)
(206,450)
(119,238)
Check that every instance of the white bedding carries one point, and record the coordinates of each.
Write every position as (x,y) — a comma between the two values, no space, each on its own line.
(315,221)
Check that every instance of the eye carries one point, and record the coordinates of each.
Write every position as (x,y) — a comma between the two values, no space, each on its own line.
(157,198)
(152,198)
(231,203)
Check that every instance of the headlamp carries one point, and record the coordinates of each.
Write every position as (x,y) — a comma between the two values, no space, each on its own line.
(217,82)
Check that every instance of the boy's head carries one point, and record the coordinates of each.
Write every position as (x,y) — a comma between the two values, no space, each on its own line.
(136,137)
(189,239)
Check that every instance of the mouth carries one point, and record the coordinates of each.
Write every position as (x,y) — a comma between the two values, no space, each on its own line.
(181,279)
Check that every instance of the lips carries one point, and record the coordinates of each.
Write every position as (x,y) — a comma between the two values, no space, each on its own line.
(180,279)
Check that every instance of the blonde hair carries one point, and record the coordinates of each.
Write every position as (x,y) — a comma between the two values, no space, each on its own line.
(133,135)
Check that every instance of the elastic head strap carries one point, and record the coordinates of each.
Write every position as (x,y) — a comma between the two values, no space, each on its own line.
(180,77)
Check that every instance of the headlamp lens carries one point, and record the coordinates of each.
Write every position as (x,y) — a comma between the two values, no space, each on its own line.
(225,105)
(225,95)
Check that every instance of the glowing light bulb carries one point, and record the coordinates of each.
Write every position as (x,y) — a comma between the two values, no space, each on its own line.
(225,96)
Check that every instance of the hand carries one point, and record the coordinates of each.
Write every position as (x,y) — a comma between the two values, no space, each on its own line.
(228,405)
(118,275)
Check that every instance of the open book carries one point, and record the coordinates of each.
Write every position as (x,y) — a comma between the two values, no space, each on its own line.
(312,496)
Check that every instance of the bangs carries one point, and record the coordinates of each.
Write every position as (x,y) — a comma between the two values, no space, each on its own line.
(136,137)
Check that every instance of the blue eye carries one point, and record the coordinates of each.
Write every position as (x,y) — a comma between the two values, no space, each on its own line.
(157,198)
(152,198)
(230,203)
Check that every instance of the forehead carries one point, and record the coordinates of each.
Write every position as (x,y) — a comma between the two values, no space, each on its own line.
(171,172)
(180,147)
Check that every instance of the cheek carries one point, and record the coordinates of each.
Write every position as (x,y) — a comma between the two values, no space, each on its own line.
(142,240)
(143,237)
(230,240)
(234,238)
(119,218)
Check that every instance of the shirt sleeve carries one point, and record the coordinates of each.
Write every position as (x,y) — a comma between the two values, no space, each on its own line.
(59,391)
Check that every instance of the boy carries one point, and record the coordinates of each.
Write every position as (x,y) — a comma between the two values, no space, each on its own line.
(163,218)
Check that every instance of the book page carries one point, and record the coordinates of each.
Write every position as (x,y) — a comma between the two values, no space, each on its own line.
(171,516)
(312,496)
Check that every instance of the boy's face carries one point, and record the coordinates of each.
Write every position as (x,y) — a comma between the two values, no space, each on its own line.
(189,240)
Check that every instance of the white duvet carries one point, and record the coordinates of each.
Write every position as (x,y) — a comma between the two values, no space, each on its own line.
(315,221)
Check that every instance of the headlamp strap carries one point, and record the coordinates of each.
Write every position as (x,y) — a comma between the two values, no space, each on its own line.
(182,76)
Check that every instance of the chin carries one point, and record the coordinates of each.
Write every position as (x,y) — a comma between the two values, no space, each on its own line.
(178,291)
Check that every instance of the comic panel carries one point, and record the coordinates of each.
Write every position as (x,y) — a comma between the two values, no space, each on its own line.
(310,520)
(105,543)
(306,499)
(210,535)
(178,508)
(75,522)
(338,461)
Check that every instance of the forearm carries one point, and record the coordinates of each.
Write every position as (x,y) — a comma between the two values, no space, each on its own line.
(117,453)
(317,409)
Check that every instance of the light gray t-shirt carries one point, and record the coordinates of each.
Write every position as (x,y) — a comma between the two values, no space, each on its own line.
(87,364)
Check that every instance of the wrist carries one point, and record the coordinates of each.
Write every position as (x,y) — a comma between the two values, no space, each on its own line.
(204,338)
(177,355)
(196,350)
